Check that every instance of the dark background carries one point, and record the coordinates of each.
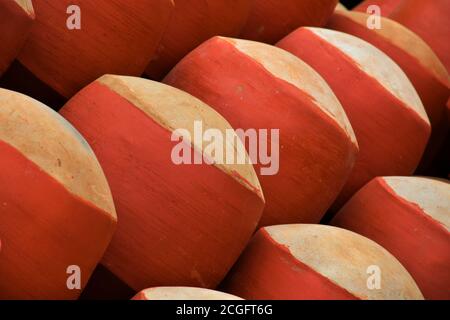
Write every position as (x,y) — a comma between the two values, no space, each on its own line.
(351,3)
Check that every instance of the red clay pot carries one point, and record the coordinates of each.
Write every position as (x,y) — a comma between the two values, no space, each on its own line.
(271,20)
(193,22)
(180,225)
(317,262)
(258,86)
(56,208)
(16,18)
(426,72)
(410,217)
(115,37)
(340,7)
(448,110)
(384,109)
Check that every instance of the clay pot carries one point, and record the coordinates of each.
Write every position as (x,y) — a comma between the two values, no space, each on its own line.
(410,217)
(56,209)
(317,262)
(390,122)
(193,22)
(114,37)
(180,224)
(386,6)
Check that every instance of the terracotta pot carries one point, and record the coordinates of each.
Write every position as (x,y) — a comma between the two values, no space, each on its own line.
(182,293)
(410,217)
(384,109)
(179,224)
(193,22)
(271,20)
(317,262)
(426,72)
(56,208)
(257,86)
(16,18)
(115,37)
(429,19)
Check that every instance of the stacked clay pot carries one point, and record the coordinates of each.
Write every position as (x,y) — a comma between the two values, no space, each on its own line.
(56,209)
(271,20)
(258,86)
(16,18)
(390,122)
(192,22)
(306,262)
(410,217)
(429,19)
(426,72)
(269,120)
(180,224)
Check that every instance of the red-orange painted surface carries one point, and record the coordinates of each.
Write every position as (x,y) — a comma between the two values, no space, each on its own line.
(44,229)
(179,225)
(448,110)
(386,6)
(316,156)
(268,271)
(420,243)
(15,25)
(391,136)
(433,91)
(193,22)
(271,20)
